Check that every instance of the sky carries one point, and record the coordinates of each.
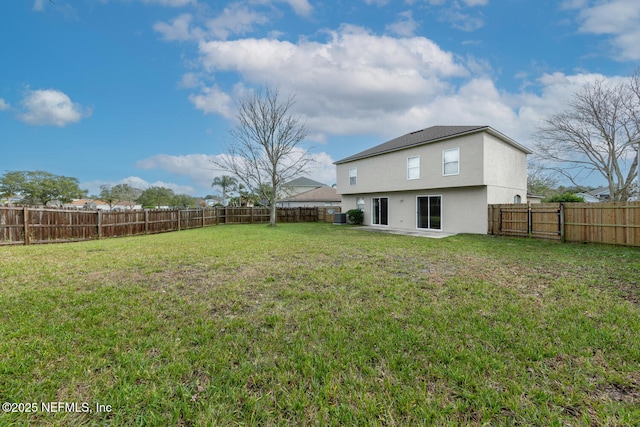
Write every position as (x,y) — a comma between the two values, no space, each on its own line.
(144,92)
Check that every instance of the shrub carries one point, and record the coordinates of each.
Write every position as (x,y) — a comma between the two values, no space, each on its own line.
(566,197)
(356,216)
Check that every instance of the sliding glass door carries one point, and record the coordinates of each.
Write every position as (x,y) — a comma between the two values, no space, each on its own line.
(430,212)
(380,211)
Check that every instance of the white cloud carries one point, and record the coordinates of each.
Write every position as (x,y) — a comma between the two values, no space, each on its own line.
(300,7)
(143,184)
(462,21)
(351,72)
(189,81)
(355,82)
(38,6)
(135,181)
(178,30)
(198,167)
(201,169)
(51,107)
(235,19)
(171,3)
(405,25)
(212,100)
(4,106)
(616,18)
(322,170)
(573,4)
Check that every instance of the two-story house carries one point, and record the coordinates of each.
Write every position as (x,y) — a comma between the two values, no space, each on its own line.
(440,178)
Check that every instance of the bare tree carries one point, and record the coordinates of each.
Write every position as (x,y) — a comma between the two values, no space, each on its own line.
(265,150)
(539,181)
(596,133)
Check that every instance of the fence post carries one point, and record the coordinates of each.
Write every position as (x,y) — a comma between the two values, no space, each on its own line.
(500,222)
(530,222)
(561,222)
(146,221)
(26,225)
(179,216)
(491,220)
(99,224)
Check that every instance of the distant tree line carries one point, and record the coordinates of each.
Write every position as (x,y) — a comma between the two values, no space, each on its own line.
(40,187)
(45,188)
(152,197)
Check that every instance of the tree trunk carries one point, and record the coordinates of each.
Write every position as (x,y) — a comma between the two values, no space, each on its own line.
(272,221)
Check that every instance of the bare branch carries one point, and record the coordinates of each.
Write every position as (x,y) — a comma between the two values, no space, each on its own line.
(264,150)
(594,134)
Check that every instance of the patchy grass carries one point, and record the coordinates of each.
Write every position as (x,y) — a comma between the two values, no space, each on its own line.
(312,324)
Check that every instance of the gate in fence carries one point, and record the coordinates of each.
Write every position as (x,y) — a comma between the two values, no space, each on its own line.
(542,222)
(609,223)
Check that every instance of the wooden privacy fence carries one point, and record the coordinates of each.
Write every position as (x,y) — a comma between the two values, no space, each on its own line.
(32,225)
(609,223)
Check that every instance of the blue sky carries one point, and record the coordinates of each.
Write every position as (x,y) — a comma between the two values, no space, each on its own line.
(143,91)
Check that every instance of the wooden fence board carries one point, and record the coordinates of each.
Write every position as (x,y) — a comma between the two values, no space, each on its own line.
(609,223)
(31,225)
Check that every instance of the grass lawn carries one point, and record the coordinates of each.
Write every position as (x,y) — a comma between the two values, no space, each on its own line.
(314,324)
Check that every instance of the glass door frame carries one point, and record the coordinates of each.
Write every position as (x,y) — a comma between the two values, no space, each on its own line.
(380,211)
(429,215)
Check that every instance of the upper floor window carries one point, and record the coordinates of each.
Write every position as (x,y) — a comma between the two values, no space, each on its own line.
(413,167)
(451,162)
(353,176)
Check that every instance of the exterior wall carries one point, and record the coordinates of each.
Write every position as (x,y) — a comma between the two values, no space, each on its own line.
(505,171)
(502,195)
(464,210)
(388,172)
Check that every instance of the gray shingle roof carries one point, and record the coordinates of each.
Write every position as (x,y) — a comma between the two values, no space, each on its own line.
(321,194)
(304,182)
(425,136)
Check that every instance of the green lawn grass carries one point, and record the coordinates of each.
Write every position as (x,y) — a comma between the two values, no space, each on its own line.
(314,324)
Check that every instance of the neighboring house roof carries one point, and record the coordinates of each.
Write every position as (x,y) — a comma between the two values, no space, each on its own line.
(322,194)
(600,192)
(82,202)
(597,195)
(100,204)
(427,136)
(304,182)
(588,198)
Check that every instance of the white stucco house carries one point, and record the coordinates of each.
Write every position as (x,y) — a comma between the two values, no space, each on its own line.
(441,178)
